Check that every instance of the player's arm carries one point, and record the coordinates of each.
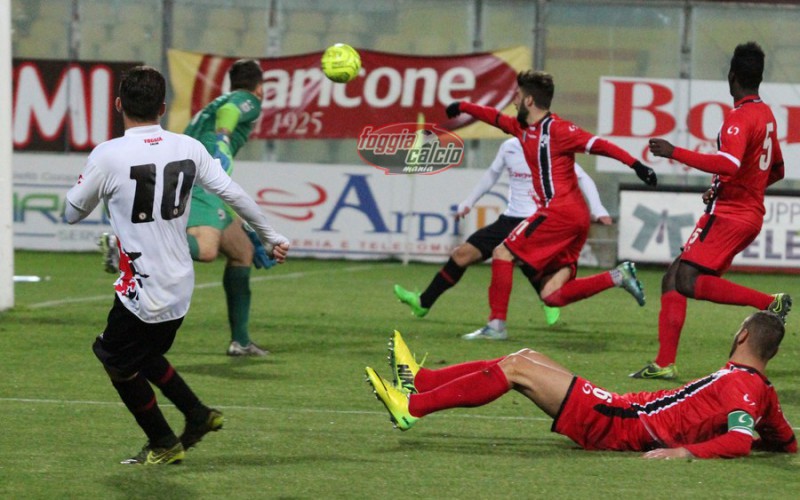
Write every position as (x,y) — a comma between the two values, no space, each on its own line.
(488,179)
(737,442)
(589,190)
(211,177)
(84,196)
(226,119)
(717,163)
(774,431)
(776,171)
(599,146)
(486,114)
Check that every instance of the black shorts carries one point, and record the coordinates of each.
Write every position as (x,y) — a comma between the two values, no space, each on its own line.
(128,342)
(488,237)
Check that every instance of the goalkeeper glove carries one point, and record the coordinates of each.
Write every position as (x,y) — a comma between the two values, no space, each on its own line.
(261,258)
(645,173)
(222,152)
(453,109)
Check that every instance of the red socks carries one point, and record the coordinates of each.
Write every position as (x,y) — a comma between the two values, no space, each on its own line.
(579,289)
(500,288)
(670,322)
(475,389)
(722,291)
(427,379)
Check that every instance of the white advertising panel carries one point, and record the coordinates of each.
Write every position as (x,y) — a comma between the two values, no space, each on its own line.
(328,211)
(687,113)
(654,225)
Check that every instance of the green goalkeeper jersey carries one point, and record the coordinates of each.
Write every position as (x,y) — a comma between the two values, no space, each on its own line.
(235,111)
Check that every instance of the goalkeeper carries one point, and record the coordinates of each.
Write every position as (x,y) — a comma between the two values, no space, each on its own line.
(223,126)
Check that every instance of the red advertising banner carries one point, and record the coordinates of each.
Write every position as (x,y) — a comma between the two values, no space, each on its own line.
(301,103)
(64,105)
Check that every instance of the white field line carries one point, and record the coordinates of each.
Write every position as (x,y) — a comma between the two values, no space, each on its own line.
(282,410)
(213,284)
(67,402)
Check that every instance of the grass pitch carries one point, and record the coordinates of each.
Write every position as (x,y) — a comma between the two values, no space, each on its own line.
(302,423)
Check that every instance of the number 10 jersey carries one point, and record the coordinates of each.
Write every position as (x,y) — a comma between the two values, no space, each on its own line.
(145,178)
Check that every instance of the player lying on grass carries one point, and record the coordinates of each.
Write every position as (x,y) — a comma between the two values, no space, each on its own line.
(715,416)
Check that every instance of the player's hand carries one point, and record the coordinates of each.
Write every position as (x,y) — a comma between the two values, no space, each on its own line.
(660,147)
(645,173)
(668,453)
(222,152)
(261,258)
(709,195)
(605,220)
(280,251)
(453,109)
(461,211)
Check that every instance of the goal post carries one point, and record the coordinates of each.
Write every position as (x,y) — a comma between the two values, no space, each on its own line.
(6,148)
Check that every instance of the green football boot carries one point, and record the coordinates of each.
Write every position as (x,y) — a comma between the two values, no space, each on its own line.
(412,300)
(551,314)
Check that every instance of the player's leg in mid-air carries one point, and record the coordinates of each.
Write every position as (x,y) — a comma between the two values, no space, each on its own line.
(697,274)
(477,248)
(547,243)
(448,276)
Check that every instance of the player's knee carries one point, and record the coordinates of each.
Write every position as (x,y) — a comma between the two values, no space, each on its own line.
(685,279)
(685,287)
(464,255)
(514,364)
(117,375)
(207,253)
(502,253)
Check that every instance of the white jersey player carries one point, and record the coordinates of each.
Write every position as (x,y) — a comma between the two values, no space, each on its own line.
(145,178)
(147,192)
(479,245)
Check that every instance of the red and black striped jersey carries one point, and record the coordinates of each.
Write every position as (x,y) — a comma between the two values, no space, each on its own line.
(696,415)
(550,146)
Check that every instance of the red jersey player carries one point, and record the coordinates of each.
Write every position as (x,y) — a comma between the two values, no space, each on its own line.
(715,416)
(748,160)
(548,243)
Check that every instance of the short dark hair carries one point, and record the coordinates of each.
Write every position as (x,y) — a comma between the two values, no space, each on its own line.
(766,331)
(747,65)
(245,74)
(142,91)
(539,85)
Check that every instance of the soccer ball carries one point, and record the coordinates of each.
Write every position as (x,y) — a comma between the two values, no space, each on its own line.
(341,63)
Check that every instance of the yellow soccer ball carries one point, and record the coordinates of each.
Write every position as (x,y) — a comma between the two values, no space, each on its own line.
(341,63)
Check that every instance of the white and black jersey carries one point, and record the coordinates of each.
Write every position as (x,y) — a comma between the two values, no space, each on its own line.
(145,178)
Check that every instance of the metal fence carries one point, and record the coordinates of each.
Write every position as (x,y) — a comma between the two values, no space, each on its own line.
(577,41)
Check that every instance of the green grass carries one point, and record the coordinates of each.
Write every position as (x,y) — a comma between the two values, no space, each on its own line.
(302,423)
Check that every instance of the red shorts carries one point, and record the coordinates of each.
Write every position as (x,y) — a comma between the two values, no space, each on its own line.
(550,239)
(716,240)
(600,420)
